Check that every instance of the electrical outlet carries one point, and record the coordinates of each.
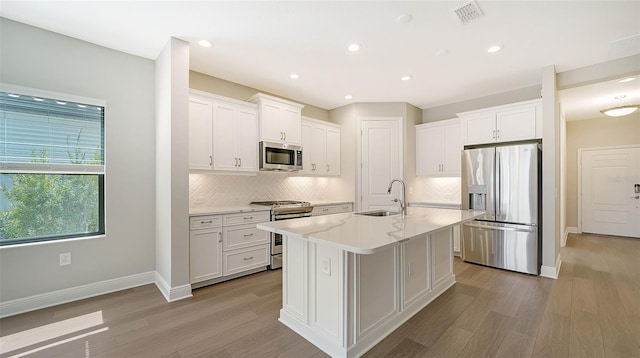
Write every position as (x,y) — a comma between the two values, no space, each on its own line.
(65,259)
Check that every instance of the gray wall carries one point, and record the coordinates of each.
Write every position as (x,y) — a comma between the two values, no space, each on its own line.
(449,111)
(40,59)
(225,88)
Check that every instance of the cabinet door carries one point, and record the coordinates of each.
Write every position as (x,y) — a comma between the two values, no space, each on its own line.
(225,156)
(480,128)
(205,248)
(318,150)
(452,150)
(429,151)
(307,148)
(415,275)
(200,133)
(270,128)
(333,151)
(247,134)
(290,124)
(516,124)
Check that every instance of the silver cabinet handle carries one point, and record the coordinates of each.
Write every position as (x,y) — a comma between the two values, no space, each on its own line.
(635,197)
(327,167)
(210,160)
(219,236)
(239,162)
(247,218)
(236,159)
(498,133)
(281,136)
(248,258)
(248,235)
(206,222)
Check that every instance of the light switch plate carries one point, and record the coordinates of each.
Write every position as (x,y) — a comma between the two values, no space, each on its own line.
(65,259)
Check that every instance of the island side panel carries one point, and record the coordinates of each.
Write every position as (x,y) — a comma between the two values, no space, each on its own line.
(326,292)
(295,275)
(416,270)
(442,256)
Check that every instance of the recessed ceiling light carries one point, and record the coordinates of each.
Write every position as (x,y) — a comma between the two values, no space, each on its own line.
(404,18)
(405,78)
(295,76)
(204,43)
(494,48)
(354,47)
(442,52)
(348,96)
(628,79)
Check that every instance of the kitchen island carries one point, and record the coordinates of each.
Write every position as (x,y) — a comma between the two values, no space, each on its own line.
(349,280)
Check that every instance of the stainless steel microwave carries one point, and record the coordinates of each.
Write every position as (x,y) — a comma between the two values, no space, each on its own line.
(278,156)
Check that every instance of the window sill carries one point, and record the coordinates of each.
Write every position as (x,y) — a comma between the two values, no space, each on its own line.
(58,241)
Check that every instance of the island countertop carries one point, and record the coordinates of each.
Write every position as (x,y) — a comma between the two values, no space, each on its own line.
(366,234)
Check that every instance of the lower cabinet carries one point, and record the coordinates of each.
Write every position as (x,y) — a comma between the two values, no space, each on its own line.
(226,245)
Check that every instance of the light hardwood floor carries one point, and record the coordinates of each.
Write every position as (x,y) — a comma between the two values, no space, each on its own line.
(592,310)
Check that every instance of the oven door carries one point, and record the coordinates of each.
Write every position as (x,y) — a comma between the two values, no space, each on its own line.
(276,243)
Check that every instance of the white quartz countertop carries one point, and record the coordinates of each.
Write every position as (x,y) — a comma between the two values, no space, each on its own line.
(224,210)
(366,234)
(330,202)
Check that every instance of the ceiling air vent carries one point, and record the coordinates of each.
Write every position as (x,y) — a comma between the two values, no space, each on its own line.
(468,12)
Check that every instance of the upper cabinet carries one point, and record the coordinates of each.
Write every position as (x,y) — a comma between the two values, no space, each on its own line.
(223,134)
(508,123)
(438,148)
(320,148)
(279,119)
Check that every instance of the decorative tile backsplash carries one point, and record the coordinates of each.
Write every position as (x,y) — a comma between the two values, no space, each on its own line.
(207,190)
(437,190)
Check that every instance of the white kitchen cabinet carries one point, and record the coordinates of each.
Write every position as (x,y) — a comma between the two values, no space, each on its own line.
(508,123)
(200,132)
(438,148)
(320,148)
(235,137)
(331,209)
(226,246)
(279,119)
(223,134)
(415,276)
(205,248)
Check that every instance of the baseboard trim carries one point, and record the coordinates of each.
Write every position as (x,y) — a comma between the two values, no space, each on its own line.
(568,230)
(172,293)
(550,271)
(35,302)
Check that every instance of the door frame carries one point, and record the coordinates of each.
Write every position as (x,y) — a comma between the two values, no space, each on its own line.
(579,174)
(359,121)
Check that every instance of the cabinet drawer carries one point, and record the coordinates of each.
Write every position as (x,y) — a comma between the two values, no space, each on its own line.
(325,210)
(239,236)
(245,259)
(345,208)
(202,222)
(246,218)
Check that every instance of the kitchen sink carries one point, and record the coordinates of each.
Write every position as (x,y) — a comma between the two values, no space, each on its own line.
(378,213)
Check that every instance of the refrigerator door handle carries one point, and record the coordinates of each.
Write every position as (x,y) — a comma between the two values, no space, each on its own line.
(501,228)
(498,184)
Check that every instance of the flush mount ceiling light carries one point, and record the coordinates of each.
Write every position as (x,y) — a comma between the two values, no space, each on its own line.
(494,48)
(295,76)
(404,19)
(204,43)
(354,47)
(619,107)
(405,78)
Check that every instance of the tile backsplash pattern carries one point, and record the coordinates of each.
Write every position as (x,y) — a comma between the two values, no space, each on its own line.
(209,190)
(437,190)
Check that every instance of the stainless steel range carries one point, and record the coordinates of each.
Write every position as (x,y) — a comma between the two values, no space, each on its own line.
(283,210)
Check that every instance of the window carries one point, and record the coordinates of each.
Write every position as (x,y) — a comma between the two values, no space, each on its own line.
(51,166)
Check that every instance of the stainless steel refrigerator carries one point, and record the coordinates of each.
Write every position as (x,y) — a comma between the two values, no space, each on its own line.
(505,181)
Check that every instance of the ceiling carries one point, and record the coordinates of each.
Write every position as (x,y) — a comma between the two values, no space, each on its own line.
(259,44)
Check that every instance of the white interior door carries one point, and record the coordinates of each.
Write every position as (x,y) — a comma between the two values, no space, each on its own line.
(381,157)
(610,203)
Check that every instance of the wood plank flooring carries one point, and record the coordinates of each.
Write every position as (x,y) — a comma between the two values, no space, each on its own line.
(592,310)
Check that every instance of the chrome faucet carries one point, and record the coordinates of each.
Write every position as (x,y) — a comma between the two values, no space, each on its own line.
(403,202)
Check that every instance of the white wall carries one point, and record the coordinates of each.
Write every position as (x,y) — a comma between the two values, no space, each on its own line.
(36,58)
